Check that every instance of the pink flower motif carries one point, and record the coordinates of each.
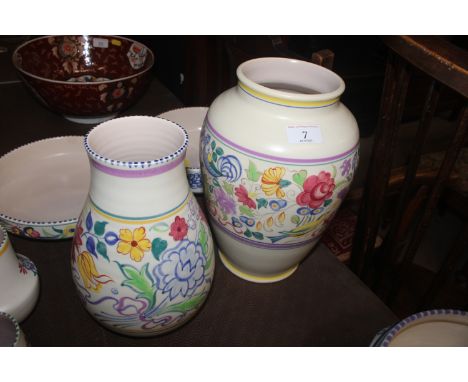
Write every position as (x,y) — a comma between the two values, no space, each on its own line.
(179,228)
(243,197)
(317,189)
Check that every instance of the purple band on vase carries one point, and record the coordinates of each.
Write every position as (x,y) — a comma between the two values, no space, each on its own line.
(275,158)
(137,172)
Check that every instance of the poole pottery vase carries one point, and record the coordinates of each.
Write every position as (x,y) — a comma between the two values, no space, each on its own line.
(278,154)
(19,280)
(142,257)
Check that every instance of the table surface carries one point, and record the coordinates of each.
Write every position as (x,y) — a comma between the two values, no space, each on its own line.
(322,304)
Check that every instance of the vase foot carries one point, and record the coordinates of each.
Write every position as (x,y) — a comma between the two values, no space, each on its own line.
(255,278)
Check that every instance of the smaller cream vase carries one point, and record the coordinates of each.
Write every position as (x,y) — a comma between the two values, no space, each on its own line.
(19,280)
(142,257)
(278,154)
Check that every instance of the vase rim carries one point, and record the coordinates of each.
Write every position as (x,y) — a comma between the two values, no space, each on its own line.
(137,165)
(3,239)
(290,72)
(14,321)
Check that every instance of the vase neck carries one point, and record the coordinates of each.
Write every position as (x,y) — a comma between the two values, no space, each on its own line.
(289,83)
(138,192)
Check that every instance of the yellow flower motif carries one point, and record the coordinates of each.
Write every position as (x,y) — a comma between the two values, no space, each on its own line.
(135,244)
(91,277)
(270,222)
(259,226)
(271,181)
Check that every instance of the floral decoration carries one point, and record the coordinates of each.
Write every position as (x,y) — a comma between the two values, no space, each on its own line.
(91,277)
(274,203)
(317,189)
(25,265)
(227,204)
(272,182)
(179,228)
(243,197)
(141,292)
(135,244)
(181,270)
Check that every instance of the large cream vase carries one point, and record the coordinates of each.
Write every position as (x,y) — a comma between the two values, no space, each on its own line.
(278,154)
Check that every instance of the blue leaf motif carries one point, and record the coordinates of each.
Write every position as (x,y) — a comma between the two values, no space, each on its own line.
(111,238)
(89,221)
(230,167)
(91,245)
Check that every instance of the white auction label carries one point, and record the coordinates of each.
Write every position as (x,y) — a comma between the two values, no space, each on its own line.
(304,134)
(100,42)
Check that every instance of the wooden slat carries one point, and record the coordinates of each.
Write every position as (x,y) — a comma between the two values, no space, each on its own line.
(444,173)
(395,87)
(435,56)
(410,174)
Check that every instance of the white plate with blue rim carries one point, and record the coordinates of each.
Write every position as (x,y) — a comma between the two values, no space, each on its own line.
(191,119)
(43,187)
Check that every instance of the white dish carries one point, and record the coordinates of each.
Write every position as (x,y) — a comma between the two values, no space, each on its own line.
(441,327)
(191,119)
(43,187)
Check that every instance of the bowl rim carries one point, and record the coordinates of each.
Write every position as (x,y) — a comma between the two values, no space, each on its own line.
(17,67)
(185,108)
(387,337)
(13,220)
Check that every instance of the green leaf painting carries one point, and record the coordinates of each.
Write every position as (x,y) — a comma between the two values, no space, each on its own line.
(300,177)
(258,235)
(229,188)
(101,248)
(203,238)
(139,281)
(244,210)
(252,173)
(262,202)
(160,227)
(158,246)
(185,306)
(100,228)
(295,219)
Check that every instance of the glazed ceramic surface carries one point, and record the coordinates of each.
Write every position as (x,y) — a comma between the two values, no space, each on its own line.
(19,281)
(191,119)
(279,152)
(142,257)
(44,186)
(86,78)
(10,331)
(440,327)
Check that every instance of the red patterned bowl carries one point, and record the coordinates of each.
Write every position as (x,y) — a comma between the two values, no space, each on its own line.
(88,79)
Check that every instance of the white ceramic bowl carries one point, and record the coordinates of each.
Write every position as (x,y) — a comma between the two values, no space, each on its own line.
(191,119)
(43,187)
(439,327)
